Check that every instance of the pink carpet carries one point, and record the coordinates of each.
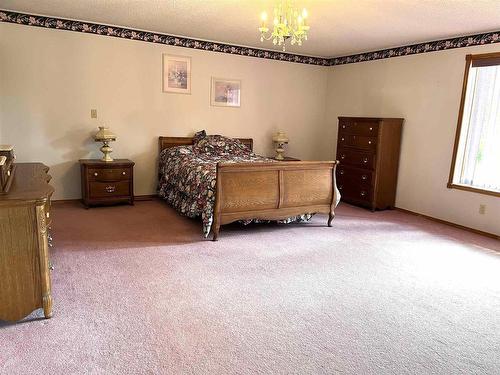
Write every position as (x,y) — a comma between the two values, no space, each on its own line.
(138,291)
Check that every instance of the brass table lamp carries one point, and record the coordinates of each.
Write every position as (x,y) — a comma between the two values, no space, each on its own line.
(280,139)
(105,136)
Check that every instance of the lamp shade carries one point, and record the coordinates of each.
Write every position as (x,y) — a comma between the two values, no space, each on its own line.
(104,135)
(280,137)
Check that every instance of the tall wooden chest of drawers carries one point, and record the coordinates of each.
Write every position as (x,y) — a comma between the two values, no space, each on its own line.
(368,151)
(107,182)
(24,243)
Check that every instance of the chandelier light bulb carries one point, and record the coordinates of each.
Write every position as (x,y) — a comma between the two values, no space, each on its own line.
(289,25)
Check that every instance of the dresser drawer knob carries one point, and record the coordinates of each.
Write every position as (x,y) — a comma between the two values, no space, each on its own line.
(371,128)
(364,177)
(365,160)
(110,189)
(341,171)
(123,173)
(369,142)
(95,174)
(343,126)
(340,187)
(363,193)
(342,156)
(342,139)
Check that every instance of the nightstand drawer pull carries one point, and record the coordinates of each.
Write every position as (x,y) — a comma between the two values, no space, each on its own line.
(96,174)
(364,177)
(123,173)
(110,189)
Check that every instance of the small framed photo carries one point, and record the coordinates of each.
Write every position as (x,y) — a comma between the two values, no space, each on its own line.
(176,74)
(225,92)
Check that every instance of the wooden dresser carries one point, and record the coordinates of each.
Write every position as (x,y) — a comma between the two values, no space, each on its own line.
(107,182)
(24,243)
(368,151)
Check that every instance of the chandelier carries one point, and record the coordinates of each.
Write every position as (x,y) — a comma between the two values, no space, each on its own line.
(288,24)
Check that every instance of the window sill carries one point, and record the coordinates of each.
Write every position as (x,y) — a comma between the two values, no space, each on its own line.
(473,189)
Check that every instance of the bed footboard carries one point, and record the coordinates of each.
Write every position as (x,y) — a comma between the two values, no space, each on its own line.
(274,191)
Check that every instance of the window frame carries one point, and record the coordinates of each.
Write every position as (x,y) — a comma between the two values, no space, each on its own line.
(452,185)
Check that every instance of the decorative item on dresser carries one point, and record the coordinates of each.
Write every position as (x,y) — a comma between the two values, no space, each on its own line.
(24,243)
(107,182)
(368,150)
(7,167)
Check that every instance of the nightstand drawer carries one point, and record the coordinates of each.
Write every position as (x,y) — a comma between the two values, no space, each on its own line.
(109,174)
(109,189)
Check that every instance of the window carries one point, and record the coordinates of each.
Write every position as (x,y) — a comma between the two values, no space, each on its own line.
(476,154)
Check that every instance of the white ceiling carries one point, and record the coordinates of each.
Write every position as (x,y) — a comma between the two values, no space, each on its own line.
(338,27)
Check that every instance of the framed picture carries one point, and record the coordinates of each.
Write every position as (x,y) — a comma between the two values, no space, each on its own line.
(225,92)
(176,74)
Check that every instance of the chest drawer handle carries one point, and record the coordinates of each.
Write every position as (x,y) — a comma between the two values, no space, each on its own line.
(110,189)
(369,142)
(371,128)
(342,139)
(123,173)
(341,171)
(363,193)
(365,160)
(95,174)
(340,187)
(343,126)
(364,177)
(342,156)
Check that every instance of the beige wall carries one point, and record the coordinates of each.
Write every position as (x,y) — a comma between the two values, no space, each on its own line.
(50,79)
(425,89)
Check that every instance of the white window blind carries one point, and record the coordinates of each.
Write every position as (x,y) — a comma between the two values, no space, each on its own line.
(477,161)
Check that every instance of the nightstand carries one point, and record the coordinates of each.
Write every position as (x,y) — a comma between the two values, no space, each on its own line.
(287,158)
(107,182)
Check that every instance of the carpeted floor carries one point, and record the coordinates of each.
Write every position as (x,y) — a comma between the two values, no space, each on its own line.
(138,291)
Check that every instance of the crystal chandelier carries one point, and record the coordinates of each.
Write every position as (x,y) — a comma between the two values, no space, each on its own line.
(288,24)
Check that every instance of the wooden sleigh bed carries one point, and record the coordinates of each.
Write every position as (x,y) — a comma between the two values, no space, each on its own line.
(268,190)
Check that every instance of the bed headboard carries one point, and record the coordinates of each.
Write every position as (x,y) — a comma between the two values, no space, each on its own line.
(167,142)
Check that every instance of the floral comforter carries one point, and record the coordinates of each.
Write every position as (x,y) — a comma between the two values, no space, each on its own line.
(187,175)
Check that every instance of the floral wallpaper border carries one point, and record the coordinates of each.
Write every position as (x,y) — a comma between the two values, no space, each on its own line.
(145,36)
(438,45)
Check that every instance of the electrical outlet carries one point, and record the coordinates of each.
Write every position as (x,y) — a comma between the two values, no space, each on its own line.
(93,113)
(482,209)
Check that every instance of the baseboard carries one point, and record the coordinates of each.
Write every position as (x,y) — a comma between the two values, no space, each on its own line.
(476,231)
(138,198)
